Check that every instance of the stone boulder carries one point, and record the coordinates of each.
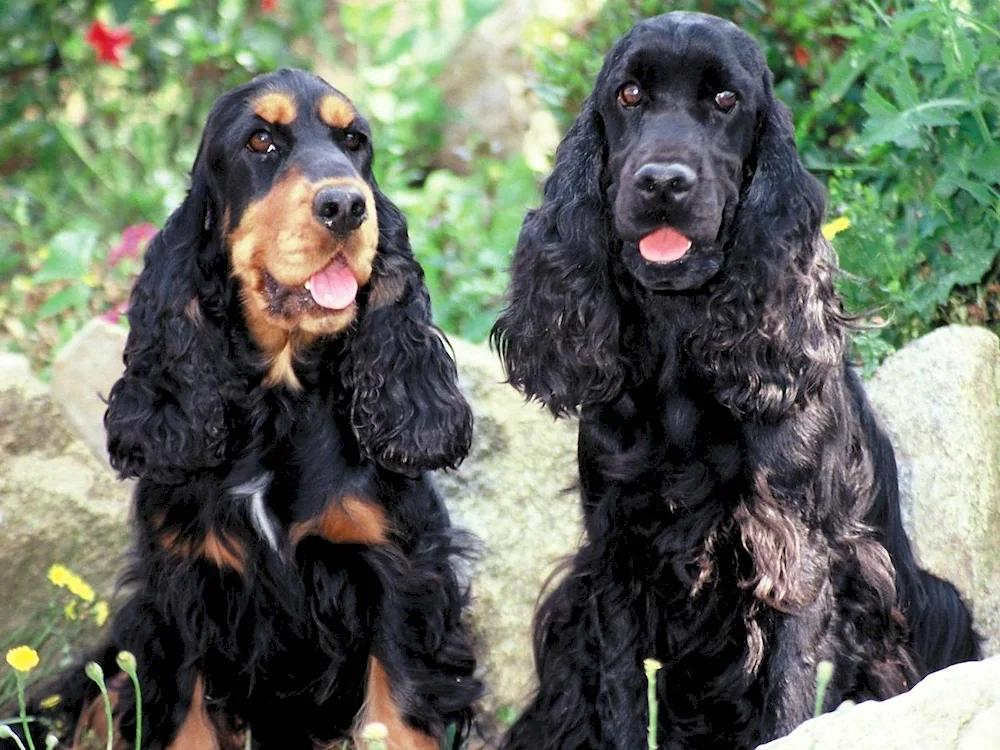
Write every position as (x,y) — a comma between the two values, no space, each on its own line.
(58,504)
(82,376)
(514,492)
(939,399)
(955,709)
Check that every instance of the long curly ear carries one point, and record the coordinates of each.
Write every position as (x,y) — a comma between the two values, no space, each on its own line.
(166,416)
(558,336)
(407,411)
(775,328)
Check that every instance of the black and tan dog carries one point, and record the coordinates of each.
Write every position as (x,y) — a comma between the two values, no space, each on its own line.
(285,391)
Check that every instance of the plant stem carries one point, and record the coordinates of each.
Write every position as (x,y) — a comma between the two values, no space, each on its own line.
(95,673)
(824,671)
(126,662)
(7,733)
(652,666)
(23,710)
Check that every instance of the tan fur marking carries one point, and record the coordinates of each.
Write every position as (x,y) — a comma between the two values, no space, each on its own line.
(350,521)
(221,549)
(275,107)
(197,732)
(279,235)
(380,706)
(336,111)
(224,551)
(282,368)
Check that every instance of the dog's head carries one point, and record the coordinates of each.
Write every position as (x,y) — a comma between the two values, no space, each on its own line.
(680,175)
(681,98)
(289,159)
(283,243)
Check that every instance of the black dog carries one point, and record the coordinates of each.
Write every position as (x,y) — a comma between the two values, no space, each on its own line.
(740,500)
(293,570)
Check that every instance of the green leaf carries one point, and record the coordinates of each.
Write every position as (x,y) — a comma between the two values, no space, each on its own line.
(72,296)
(70,255)
(123,8)
(887,124)
(843,74)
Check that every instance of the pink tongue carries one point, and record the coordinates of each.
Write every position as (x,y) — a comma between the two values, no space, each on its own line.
(664,245)
(335,286)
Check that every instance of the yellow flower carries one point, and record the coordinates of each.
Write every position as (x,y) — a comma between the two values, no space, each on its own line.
(23,658)
(70,609)
(101,612)
(835,227)
(60,575)
(50,702)
(81,588)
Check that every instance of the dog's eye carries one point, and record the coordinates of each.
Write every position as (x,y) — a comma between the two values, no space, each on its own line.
(726,100)
(629,95)
(353,140)
(261,142)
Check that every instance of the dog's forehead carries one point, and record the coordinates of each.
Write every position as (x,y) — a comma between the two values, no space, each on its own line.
(687,40)
(286,97)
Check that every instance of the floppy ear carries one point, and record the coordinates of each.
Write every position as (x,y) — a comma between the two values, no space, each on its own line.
(775,327)
(166,416)
(558,336)
(407,411)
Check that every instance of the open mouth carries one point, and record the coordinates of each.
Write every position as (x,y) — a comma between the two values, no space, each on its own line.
(664,245)
(333,288)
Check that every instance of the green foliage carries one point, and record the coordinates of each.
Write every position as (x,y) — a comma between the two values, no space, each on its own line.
(923,195)
(93,148)
(895,103)
(463,230)
(88,148)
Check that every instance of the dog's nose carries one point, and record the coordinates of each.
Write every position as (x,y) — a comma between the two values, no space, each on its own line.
(668,182)
(340,209)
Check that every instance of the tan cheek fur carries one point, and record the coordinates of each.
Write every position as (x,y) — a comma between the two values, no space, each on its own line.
(279,233)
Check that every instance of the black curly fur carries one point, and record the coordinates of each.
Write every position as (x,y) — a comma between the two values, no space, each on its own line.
(282,638)
(741,504)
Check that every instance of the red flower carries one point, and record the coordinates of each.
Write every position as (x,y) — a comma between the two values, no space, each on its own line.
(134,238)
(114,315)
(268,6)
(108,43)
(801,55)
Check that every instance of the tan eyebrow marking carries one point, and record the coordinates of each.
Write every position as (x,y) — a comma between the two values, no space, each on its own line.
(275,107)
(336,111)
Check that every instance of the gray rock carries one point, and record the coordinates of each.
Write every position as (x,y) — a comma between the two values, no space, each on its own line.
(955,709)
(939,399)
(511,492)
(58,504)
(82,376)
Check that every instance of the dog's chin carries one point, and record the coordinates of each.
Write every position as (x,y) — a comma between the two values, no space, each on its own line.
(694,269)
(291,307)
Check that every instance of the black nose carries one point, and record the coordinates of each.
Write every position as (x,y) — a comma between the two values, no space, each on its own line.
(340,209)
(667,182)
